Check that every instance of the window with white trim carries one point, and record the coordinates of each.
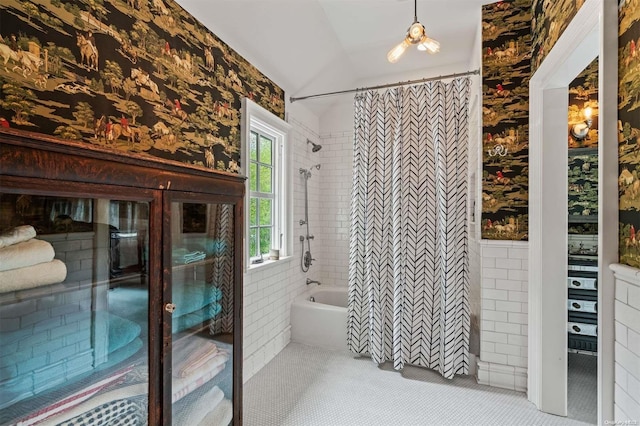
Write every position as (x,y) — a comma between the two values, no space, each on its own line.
(265,163)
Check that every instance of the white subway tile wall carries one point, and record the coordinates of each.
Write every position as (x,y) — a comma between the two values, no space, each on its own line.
(270,288)
(503,326)
(627,345)
(335,197)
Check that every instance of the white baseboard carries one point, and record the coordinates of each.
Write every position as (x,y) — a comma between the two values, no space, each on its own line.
(502,376)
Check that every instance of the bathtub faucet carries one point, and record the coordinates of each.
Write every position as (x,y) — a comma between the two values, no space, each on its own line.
(309,281)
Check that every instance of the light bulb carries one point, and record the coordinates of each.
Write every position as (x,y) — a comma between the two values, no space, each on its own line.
(430,45)
(588,112)
(395,53)
(416,32)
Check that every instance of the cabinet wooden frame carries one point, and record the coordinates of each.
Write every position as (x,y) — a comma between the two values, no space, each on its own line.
(33,162)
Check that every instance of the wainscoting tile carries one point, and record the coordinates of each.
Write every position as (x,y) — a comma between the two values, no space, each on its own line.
(502,380)
(507,319)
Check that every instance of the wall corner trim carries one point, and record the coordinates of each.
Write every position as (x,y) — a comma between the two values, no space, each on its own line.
(626,273)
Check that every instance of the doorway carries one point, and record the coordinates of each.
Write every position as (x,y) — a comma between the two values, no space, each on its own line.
(582,252)
(592,33)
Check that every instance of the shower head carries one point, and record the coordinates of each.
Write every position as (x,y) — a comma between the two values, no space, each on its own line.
(316,147)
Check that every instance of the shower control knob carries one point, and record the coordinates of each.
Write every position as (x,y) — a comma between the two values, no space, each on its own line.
(310,237)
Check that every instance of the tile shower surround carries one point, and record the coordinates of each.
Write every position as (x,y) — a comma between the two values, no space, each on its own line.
(270,288)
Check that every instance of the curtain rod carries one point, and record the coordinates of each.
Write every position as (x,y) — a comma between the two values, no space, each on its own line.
(384,86)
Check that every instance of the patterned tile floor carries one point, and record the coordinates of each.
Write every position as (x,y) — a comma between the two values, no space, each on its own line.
(582,391)
(308,386)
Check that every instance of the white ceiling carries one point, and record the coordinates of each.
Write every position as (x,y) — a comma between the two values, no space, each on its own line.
(314,46)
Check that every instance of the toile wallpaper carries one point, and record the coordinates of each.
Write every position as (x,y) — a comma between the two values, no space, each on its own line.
(583,152)
(506,70)
(629,132)
(550,19)
(139,76)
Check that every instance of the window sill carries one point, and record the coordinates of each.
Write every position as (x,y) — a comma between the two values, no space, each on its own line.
(267,264)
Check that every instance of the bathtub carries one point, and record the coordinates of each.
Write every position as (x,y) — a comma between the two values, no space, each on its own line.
(322,323)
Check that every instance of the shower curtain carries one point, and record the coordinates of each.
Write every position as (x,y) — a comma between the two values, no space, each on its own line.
(221,275)
(408,264)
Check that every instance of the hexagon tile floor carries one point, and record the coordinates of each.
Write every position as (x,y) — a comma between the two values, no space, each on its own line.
(309,386)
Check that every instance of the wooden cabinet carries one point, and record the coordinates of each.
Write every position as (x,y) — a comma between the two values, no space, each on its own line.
(120,287)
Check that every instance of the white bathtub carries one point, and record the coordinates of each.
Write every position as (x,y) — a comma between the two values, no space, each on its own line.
(321,323)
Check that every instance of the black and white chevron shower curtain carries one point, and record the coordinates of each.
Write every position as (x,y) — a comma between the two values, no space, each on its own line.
(408,265)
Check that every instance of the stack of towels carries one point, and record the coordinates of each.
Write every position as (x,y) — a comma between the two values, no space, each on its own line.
(196,362)
(195,302)
(27,262)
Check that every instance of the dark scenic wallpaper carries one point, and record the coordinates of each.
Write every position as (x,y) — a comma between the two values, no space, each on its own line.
(138,76)
(583,152)
(583,94)
(629,132)
(550,19)
(506,70)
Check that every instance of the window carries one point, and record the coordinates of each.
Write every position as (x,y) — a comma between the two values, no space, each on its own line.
(266,164)
(261,194)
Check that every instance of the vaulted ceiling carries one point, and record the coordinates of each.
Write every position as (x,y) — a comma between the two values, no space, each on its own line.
(313,46)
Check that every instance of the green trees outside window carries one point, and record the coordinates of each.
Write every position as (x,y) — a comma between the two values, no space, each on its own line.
(261,197)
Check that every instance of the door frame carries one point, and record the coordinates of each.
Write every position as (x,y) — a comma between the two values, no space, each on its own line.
(591,33)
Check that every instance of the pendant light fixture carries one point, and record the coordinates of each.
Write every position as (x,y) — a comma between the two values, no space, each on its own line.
(416,34)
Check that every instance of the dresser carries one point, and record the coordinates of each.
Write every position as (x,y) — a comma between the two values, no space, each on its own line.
(582,304)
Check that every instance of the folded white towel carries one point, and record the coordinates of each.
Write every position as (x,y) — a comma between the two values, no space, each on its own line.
(191,354)
(196,411)
(182,386)
(33,276)
(17,235)
(25,253)
(221,415)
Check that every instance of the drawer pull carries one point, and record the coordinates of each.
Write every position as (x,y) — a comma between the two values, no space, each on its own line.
(584,329)
(582,305)
(576,283)
(170,307)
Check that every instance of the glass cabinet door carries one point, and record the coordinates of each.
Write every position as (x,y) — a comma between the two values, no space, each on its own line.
(74,297)
(202,305)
